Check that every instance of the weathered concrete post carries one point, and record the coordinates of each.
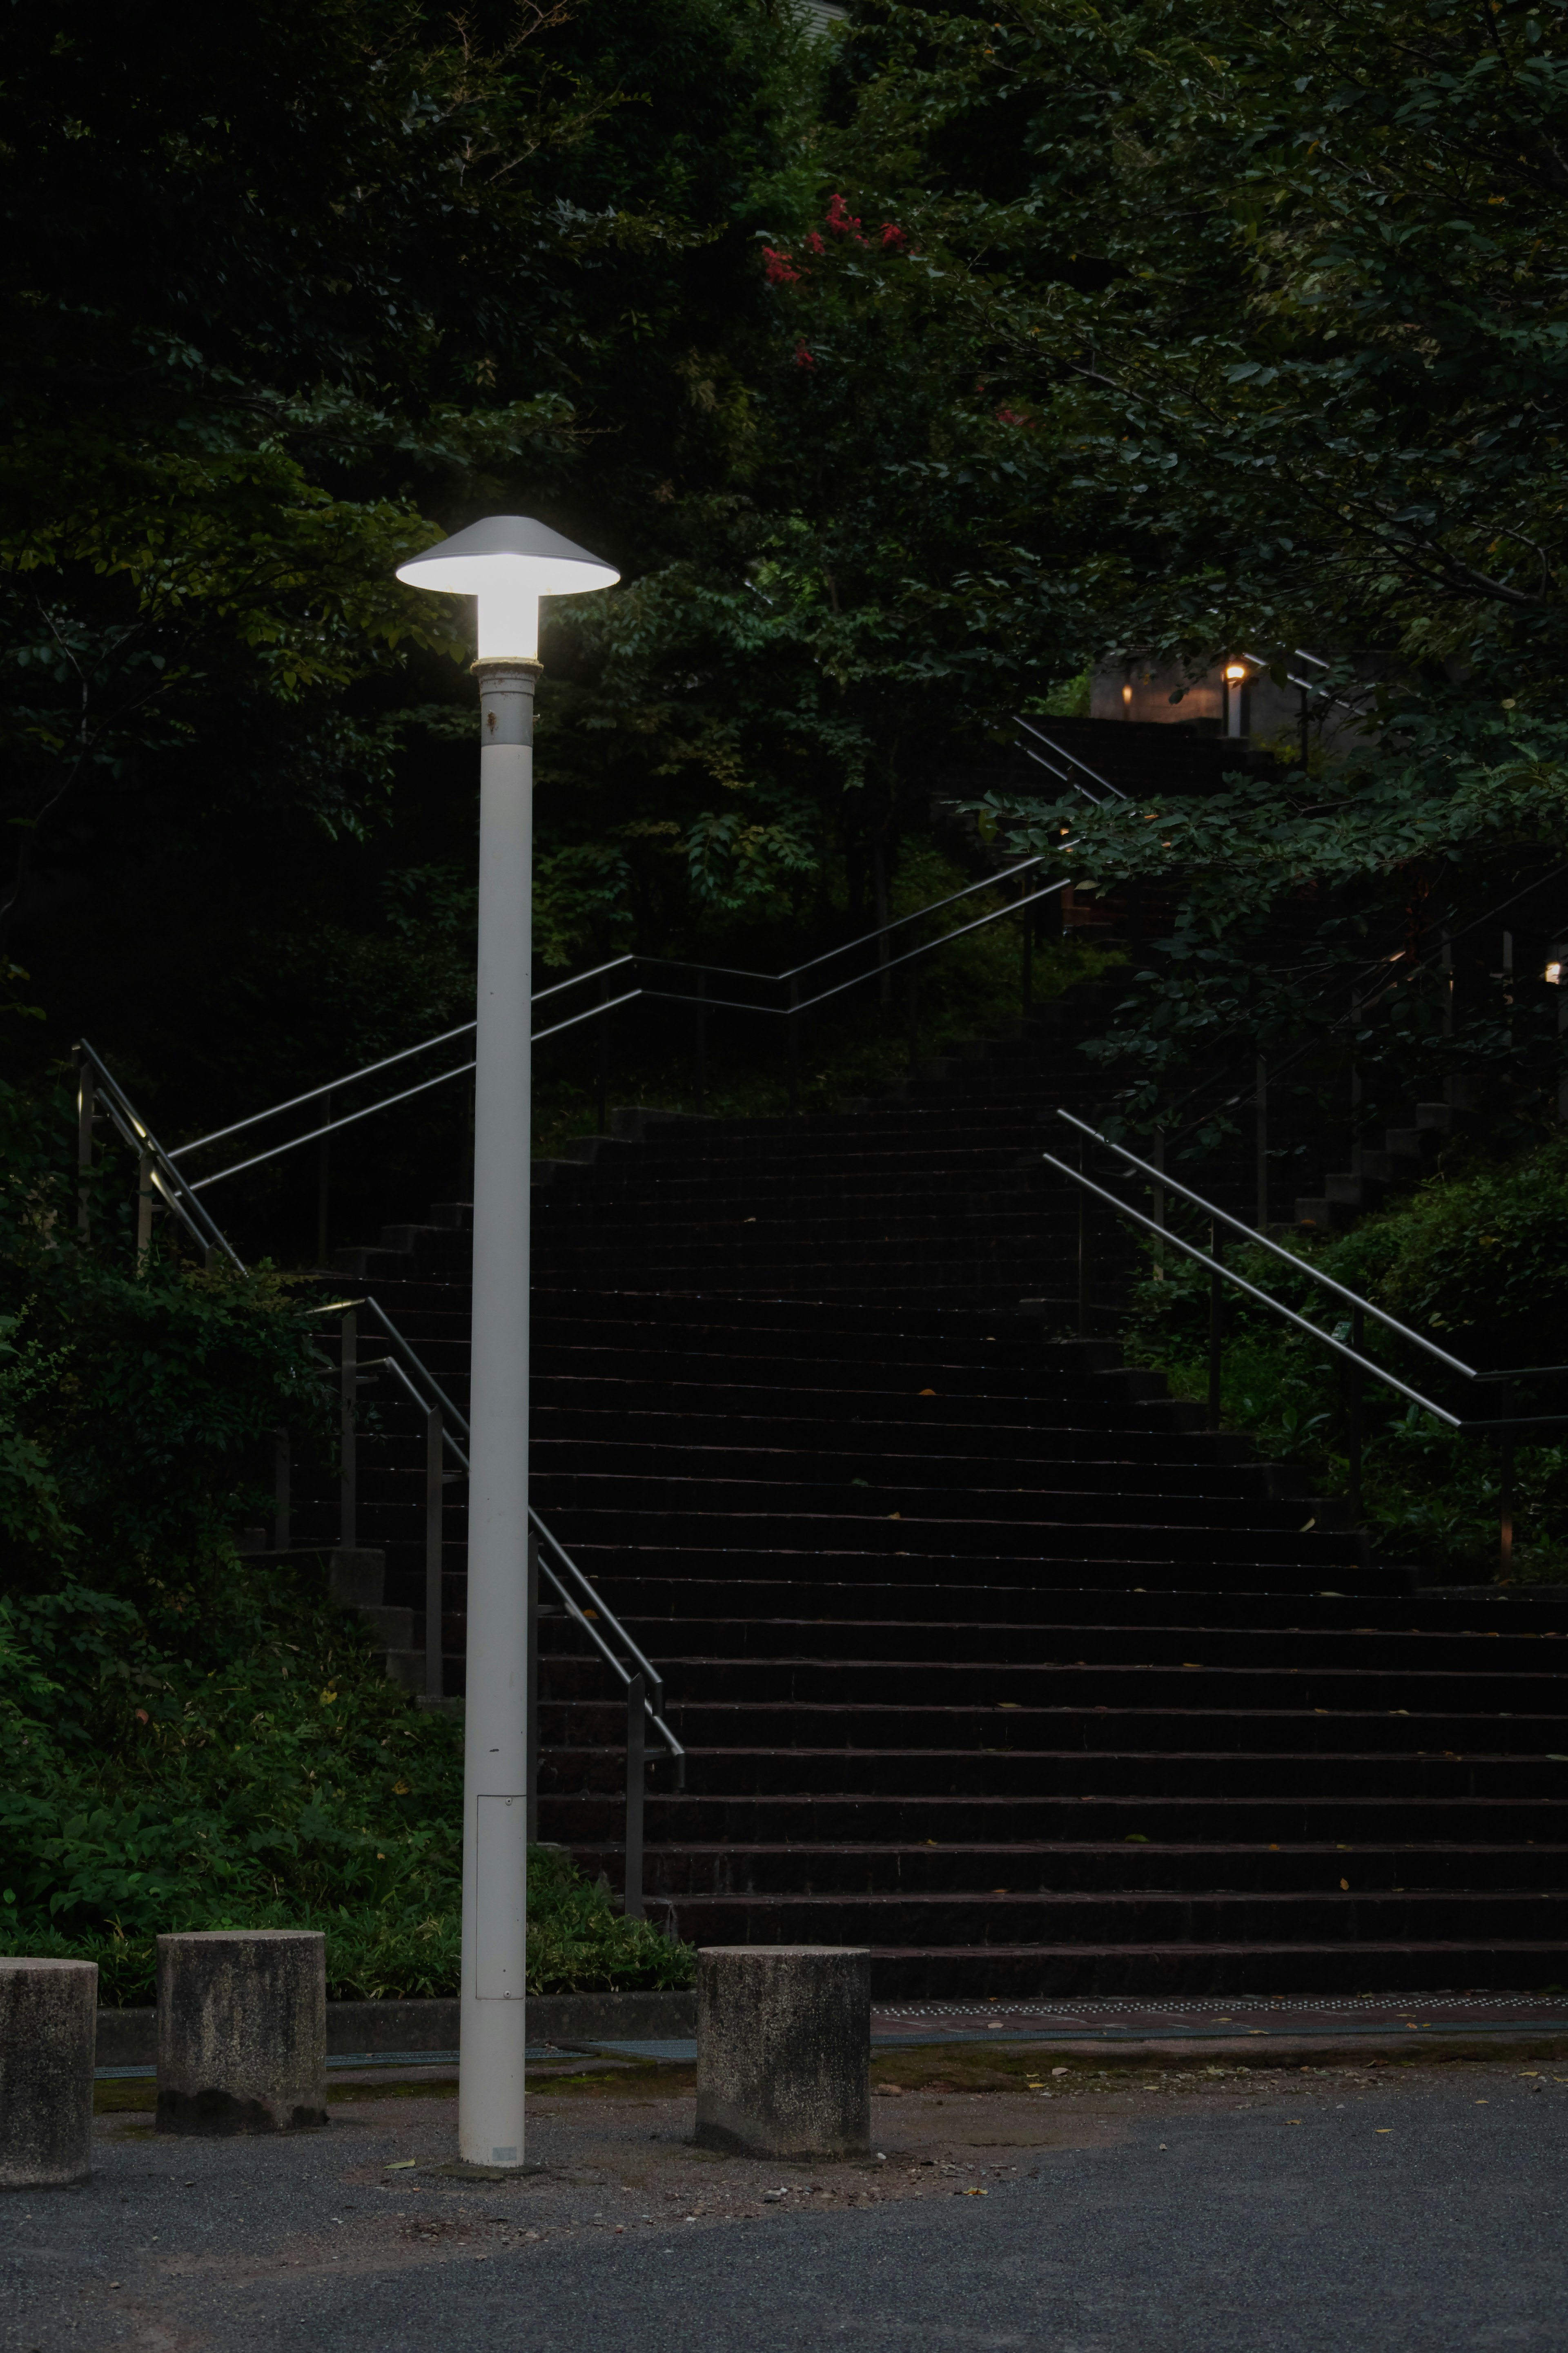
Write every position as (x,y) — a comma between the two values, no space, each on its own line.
(242,2031)
(784,2042)
(49,2028)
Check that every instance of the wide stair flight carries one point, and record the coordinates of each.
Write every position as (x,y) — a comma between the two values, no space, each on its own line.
(983,1652)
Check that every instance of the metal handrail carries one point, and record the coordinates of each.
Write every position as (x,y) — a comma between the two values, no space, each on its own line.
(1278,1249)
(1361,979)
(1071,757)
(608,1004)
(450,1415)
(133,1131)
(1218,1269)
(444,1038)
(387,1103)
(933,906)
(789,1012)
(1307,685)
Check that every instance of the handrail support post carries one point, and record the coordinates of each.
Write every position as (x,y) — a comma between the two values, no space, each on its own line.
(1353,1418)
(348,1485)
(85,1114)
(531,1762)
(701,1043)
(146,1201)
(1156,1202)
(1083,1251)
(323,1187)
(604,1060)
(791,1026)
(434,1553)
(1217,1328)
(634,1907)
(1505,1484)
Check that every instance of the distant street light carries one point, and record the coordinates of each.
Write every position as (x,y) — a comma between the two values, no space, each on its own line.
(1236,678)
(508,562)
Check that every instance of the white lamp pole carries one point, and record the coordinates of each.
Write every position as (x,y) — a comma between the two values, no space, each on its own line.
(508,563)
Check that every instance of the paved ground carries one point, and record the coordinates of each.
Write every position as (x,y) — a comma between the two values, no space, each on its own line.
(1191,2205)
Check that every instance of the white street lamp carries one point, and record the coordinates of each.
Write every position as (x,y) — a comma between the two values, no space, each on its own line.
(508,562)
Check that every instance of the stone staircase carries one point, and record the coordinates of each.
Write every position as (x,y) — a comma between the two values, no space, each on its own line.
(1406,1154)
(982,1652)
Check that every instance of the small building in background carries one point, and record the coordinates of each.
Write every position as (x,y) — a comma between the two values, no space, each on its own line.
(1238,697)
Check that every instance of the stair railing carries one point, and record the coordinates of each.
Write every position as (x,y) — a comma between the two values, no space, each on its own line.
(1067,775)
(1504,1429)
(1369,985)
(708,991)
(447,1432)
(159,1183)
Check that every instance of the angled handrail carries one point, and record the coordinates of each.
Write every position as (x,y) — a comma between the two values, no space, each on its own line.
(453,1420)
(387,1103)
(1218,1269)
(1071,757)
(1401,964)
(1276,1250)
(443,1037)
(133,1131)
(909,956)
(708,1003)
(1307,685)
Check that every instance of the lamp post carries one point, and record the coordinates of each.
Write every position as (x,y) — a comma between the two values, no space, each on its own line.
(508,563)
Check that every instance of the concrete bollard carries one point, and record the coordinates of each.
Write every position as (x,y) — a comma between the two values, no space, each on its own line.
(48,2032)
(784,2043)
(242,2031)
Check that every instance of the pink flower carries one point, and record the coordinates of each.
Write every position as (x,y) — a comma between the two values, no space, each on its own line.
(1010,416)
(814,241)
(892,235)
(802,356)
(781,270)
(841,220)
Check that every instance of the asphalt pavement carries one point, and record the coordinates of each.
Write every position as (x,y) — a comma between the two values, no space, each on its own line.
(1339,2211)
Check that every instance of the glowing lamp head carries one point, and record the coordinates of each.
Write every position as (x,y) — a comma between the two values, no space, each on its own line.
(508,563)
(1235,672)
(1556,958)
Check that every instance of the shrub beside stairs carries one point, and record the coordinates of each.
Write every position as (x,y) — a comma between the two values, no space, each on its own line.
(984,1652)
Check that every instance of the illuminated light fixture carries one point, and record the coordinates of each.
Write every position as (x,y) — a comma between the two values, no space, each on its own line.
(1127,694)
(1553,972)
(1235,672)
(508,563)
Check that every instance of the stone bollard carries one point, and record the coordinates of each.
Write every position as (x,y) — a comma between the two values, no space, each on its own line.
(49,2033)
(242,2031)
(783,2044)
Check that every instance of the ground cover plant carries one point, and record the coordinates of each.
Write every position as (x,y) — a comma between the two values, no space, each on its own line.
(1478,1259)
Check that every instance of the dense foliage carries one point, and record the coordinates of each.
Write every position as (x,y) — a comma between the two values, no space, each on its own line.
(188,1739)
(225,1752)
(1156,333)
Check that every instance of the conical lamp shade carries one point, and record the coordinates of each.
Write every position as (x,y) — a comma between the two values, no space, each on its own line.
(508,562)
